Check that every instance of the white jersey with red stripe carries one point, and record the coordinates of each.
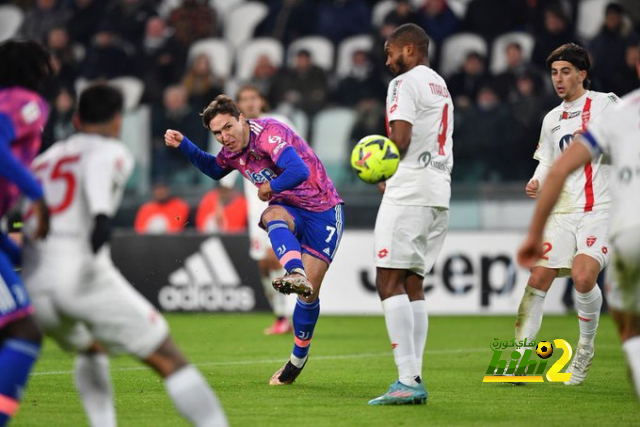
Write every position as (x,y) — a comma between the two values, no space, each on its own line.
(586,189)
(420,97)
(82,176)
(617,134)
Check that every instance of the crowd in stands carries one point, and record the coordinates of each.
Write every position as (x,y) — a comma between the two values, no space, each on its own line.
(497,113)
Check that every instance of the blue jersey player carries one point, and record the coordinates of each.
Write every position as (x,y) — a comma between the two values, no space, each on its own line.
(304,219)
(25,74)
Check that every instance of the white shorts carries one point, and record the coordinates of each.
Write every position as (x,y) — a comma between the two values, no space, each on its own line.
(623,284)
(568,235)
(409,237)
(78,303)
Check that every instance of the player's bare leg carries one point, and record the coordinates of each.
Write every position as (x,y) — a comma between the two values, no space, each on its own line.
(305,317)
(588,302)
(186,386)
(392,285)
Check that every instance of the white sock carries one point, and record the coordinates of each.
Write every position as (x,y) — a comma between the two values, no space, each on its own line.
(530,314)
(631,348)
(588,306)
(94,386)
(194,399)
(420,329)
(279,302)
(399,319)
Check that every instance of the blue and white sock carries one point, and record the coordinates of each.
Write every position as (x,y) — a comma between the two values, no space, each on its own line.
(17,357)
(305,317)
(285,245)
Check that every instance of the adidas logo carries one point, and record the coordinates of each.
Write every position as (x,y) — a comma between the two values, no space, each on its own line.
(207,282)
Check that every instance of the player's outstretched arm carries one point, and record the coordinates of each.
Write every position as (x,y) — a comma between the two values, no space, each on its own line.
(207,163)
(575,156)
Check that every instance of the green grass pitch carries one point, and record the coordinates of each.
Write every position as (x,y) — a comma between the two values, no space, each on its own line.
(350,363)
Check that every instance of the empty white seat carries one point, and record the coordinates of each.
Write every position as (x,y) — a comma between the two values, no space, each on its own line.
(321,50)
(242,21)
(219,53)
(498,49)
(248,54)
(132,89)
(330,139)
(380,11)
(456,48)
(11,18)
(347,48)
(223,8)
(590,17)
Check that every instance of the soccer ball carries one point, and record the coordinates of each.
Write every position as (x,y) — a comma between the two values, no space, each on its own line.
(544,349)
(375,158)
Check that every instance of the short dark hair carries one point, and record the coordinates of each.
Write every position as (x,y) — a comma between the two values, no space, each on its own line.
(575,55)
(27,64)
(99,104)
(411,34)
(222,104)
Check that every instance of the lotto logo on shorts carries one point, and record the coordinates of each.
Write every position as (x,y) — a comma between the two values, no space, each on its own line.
(591,240)
(383,253)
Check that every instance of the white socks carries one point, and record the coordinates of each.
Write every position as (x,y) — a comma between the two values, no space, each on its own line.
(530,314)
(420,329)
(94,386)
(398,316)
(194,399)
(631,348)
(588,307)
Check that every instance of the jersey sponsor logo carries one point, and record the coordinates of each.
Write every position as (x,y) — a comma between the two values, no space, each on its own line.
(208,281)
(30,112)
(393,108)
(395,91)
(424,159)
(555,129)
(279,147)
(275,139)
(566,115)
(262,176)
(613,98)
(564,142)
(382,253)
(591,240)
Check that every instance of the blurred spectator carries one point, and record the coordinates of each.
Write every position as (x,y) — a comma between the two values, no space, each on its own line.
(201,83)
(175,113)
(609,48)
(439,20)
(557,31)
(362,82)
(164,214)
(370,119)
(632,7)
(129,18)
(161,59)
(481,133)
(377,54)
(106,58)
(60,124)
(263,74)
(628,75)
(63,54)
(192,21)
(222,210)
(85,19)
(305,86)
(490,18)
(339,19)
(465,84)
(288,20)
(403,13)
(41,18)
(506,82)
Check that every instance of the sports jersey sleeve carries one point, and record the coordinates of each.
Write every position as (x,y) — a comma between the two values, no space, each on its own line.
(294,171)
(106,173)
(544,155)
(210,165)
(278,138)
(10,168)
(597,137)
(401,100)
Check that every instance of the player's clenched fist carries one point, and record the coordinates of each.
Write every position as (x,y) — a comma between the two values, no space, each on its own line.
(172,138)
(529,252)
(532,188)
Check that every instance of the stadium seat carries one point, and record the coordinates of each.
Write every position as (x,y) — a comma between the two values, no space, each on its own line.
(321,51)
(11,18)
(456,48)
(223,8)
(242,21)
(345,52)
(459,7)
(136,134)
(132,89)
(248,54)
(498,56)
(330,140)
(380,11)
(590,17)
(219,53)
